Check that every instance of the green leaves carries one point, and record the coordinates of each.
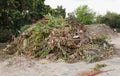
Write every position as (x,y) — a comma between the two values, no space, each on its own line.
(84,15)
(16,13)
(110,19)
(60,11)
(54,22)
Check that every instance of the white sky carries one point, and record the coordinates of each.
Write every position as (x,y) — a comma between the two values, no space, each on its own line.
(99,6)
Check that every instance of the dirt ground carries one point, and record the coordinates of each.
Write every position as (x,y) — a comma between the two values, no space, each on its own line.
(20,66)
(24,67)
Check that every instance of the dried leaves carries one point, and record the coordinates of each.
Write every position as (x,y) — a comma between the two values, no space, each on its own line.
(90,73)
(76,44)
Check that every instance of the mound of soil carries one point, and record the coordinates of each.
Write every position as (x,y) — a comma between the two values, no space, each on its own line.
(101,29)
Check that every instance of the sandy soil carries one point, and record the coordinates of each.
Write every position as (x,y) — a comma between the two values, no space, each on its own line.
(20,66)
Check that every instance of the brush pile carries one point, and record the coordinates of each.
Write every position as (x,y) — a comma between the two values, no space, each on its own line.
(54,39)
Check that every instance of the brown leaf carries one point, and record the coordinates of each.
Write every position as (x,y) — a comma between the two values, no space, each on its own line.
(90,73)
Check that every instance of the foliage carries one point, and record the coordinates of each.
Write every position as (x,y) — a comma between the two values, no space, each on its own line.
(111,19)
(54,22)
(16,13)
(83,15)
(60,11)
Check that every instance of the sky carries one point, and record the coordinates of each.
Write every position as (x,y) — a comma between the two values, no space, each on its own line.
(99,6)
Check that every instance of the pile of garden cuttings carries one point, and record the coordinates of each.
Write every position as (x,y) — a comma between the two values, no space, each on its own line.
(70,42)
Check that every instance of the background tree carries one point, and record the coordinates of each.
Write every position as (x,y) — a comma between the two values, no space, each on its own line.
(110,19)
(60,11)
(16,13)
(83,15)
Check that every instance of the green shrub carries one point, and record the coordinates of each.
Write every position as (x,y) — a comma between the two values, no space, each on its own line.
(83,15)
(110,19)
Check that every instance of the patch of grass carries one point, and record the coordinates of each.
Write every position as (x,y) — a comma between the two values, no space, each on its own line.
(99,66)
